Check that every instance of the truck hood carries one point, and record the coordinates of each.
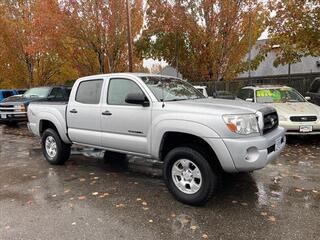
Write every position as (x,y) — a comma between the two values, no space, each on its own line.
(19,100)
(216,106)
(296,109)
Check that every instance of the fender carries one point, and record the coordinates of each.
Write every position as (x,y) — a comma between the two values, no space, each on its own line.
(178,125)
(62,130)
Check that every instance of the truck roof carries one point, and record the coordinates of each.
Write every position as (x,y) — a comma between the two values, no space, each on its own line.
(92,77)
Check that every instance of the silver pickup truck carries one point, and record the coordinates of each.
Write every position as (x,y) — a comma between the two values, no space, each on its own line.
(162,118)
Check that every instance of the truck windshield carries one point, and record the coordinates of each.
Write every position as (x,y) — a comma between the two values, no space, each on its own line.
(171,89)
(279,95)
(40,92)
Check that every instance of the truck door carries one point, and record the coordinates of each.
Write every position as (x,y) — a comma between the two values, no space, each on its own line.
(124,126)
(83,113)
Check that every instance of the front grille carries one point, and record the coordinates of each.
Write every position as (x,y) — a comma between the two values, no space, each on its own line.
(303,118)
(270,122)
(6,108)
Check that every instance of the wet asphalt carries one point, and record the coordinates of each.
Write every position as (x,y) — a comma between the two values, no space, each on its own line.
(90,199)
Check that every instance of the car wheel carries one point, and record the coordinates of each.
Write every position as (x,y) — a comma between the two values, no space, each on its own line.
(189,176)
(54,149)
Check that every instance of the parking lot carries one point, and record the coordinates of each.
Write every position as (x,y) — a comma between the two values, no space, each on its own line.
(90,199)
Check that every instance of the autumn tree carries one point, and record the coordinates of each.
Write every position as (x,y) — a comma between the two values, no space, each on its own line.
(97,34)
(294,26)
(202,38)
(29,43)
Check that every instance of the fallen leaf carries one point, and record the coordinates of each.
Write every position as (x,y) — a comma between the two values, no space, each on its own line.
(204,236)
(82,179)
(271,218)
(121,205)
(7,227)
(139,199)
(234,201)
(173,215)
(96,178)
(82,198)
(264,213)
(145,208)
(74,223)
(144,203)
(67,190)
(54,195)
(315,191)
(193,228)
(150,221)
(298,190)
(244,204)
(95,193)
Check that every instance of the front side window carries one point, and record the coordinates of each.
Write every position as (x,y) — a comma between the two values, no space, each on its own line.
(57,93)
(41,92)
(171,89)
(279,95)
(89,92)
(119,89)
(245,94)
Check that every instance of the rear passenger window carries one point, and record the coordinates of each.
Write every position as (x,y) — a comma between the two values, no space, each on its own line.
(89,92)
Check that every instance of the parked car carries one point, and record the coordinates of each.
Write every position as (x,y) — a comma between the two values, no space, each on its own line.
(203,90)
(223,95)
(314,91)
(19,91)
(296,114)
(14,108)
(161,118)
(5,94)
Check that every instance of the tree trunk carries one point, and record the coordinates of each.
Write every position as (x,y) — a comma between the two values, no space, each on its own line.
(101,59)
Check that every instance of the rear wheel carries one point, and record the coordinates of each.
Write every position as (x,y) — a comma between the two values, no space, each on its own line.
(54,149)
(189,176)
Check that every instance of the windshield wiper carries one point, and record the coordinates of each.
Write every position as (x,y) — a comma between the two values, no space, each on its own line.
(177,99)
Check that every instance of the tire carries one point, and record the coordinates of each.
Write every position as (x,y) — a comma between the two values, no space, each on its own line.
(194,192)
(58,152)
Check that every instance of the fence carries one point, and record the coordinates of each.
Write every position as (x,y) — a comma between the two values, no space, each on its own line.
(301,82)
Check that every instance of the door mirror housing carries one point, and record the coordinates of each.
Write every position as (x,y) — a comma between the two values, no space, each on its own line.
(249,99)
(138,99)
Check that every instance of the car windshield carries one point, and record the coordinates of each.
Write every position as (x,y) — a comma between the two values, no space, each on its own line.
(171,89)
(40,92)
(279,95)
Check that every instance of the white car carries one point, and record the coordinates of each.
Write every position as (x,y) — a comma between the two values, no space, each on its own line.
(296,114)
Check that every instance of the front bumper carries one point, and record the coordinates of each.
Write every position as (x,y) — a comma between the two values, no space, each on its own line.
(293,128)
(248,154)
(12,117)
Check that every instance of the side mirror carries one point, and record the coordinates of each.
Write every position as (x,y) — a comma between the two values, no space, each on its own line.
(308,98)
(137,98)
(249,100)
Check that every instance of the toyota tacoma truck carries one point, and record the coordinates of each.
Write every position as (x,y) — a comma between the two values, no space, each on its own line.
(165,119)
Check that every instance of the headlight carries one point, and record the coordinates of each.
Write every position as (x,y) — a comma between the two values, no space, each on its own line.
(242,124)
(22,108)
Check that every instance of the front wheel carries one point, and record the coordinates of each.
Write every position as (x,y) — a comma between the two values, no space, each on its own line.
(189,176)
(54,149)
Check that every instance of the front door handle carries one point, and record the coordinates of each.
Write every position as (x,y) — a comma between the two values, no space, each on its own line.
(106,113)
(73,111)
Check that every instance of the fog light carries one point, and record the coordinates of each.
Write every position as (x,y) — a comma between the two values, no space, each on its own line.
(252,154)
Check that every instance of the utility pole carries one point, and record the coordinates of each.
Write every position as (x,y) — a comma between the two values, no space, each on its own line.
(129,35)
(250,44)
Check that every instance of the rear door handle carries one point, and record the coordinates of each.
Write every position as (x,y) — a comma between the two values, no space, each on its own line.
(73,111)
(106,113)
